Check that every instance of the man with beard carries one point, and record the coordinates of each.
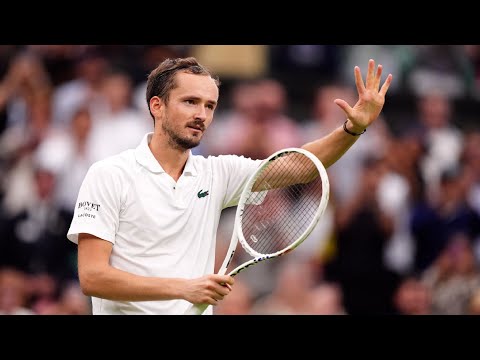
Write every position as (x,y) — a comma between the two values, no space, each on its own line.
(145,220)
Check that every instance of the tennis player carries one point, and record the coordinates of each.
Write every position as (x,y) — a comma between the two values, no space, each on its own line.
(145,220)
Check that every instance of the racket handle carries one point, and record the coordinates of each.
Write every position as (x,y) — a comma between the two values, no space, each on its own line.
(197,309)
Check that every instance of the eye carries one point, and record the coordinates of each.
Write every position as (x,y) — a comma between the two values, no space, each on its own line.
(190,101)
(211,107)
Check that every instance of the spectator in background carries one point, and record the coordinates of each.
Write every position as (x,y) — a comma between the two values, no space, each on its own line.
(259,109)
(454,277)
(91,67)
(400,190)
(474,303)
(412,297)
(362,231)
(441,137)
(319,61)
(59,60)
(470,160)
(33,239)
(326,299)
(473,54)
(444,68)
(71,164)
(30,123)
(14,293)
(67,300)
(291,293)
(434,221)
(118,117)
(26,79)
(7,53)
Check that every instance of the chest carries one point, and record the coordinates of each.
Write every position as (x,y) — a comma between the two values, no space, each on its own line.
(159,200)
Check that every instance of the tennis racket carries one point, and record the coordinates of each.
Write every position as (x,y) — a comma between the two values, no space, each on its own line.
(277,210)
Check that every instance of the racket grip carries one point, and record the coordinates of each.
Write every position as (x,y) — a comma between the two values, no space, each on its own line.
(197,309)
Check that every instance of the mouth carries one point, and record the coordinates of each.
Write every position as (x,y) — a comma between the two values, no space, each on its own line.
(198,128)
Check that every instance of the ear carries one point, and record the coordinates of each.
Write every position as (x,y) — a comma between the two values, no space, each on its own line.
(156,106)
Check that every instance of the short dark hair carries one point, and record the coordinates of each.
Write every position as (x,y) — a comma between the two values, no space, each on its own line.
(162,79)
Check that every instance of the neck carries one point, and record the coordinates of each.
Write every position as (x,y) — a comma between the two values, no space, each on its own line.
(171,159)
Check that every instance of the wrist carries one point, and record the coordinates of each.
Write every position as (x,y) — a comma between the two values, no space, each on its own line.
(353,130)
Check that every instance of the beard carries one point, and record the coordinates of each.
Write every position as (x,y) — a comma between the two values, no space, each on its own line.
(181,142)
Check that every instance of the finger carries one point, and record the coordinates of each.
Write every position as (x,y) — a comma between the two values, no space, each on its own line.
(386,85)
(378,77)
(344,106)
(209,301)
(223,290)
(370,74)
(213,302)
(228,286)
(359,80)
(221,293)
(227,279)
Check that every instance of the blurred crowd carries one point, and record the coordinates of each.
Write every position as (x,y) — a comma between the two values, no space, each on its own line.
(401,233)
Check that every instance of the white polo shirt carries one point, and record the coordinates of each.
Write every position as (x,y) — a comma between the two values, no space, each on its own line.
(158,227)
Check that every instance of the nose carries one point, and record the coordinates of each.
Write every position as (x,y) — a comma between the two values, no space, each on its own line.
(201,113)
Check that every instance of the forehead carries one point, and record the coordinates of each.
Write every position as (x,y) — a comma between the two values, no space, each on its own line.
(202,86)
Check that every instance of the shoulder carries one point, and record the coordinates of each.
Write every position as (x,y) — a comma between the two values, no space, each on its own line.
(232,166)
(222,161)
(230,159)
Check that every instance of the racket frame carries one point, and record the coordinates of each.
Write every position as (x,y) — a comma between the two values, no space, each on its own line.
(237,235)
(258,257)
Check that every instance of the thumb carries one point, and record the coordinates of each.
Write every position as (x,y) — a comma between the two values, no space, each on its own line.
(344,106)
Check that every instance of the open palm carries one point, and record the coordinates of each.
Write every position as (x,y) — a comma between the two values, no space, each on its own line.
(370,97)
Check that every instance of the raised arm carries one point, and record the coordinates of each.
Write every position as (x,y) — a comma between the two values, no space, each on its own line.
(98,278)
(371,99)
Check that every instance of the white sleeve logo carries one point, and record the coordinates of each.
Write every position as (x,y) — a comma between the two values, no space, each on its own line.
(86,208)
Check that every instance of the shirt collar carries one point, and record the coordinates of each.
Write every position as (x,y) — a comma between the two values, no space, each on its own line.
(144,157)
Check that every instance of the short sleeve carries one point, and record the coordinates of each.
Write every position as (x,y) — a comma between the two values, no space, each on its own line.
(237,170)
(98,205)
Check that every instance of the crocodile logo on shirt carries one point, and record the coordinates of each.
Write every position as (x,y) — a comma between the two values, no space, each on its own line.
(201,194)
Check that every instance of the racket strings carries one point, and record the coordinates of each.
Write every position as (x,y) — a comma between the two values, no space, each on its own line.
(277,216)
(276,232)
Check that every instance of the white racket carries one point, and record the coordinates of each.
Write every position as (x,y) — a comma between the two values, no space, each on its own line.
(278,208)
